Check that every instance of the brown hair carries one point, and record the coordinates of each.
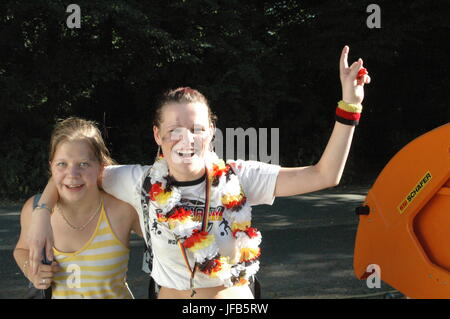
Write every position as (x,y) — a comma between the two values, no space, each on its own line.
(74,128)
(182,95)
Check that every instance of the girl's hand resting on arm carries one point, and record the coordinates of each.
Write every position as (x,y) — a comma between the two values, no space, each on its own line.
(44,277)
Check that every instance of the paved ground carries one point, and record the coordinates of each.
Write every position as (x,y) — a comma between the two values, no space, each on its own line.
(307,249)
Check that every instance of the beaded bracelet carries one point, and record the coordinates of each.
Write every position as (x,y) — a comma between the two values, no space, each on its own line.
(42,206)
(348,114)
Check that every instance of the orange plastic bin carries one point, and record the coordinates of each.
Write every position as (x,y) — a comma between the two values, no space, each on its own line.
(405,226)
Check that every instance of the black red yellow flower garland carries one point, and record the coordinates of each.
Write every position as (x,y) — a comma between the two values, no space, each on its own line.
(225,188)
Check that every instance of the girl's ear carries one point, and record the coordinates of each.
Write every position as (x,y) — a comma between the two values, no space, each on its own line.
(156,135)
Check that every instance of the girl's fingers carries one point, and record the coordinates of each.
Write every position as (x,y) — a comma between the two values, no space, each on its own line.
(47,278)
(343,63)
(49,248)
(46,273)
(30,261)
(365,79)
(35,260)
(44,283)
(55,267)
(354,69)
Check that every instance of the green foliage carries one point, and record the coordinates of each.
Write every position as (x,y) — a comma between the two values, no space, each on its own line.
(261,64)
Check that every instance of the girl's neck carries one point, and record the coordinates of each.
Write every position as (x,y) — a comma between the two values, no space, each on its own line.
(187,177)
(82,207)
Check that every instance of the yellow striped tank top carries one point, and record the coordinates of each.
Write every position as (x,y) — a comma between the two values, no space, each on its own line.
(97,270)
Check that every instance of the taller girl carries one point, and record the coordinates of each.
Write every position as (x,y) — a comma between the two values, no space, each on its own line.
(195,210)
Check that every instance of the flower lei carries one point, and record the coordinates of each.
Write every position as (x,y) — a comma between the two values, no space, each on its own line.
(225,187)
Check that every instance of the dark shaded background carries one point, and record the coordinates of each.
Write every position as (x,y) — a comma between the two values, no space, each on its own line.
(260,63)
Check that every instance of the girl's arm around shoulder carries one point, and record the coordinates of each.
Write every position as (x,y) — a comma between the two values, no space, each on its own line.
(122,216)
(25,220)
(124,181)
(21,252)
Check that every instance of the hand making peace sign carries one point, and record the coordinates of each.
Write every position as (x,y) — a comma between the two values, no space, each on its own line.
(352,78)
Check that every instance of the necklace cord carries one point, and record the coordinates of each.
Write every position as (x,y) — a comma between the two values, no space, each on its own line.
(83,226)
(204,228)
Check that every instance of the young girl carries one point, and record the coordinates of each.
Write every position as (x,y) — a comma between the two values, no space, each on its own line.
(91,228)
(195,210)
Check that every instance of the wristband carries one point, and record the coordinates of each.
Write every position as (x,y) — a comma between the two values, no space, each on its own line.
(348,114)
(43,206)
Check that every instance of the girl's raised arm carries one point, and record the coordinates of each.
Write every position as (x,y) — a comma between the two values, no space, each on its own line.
(328,171)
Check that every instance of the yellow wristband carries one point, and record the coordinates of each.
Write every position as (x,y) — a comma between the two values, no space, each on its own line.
(352,108)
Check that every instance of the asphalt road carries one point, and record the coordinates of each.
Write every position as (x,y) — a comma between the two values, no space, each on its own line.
(307,249)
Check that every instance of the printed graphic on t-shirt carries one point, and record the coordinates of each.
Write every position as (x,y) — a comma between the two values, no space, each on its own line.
(216,223)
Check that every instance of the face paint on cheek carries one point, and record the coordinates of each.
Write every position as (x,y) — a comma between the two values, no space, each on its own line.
(171,137)
(198,146)
(182,145)
(204,144)
(179,142)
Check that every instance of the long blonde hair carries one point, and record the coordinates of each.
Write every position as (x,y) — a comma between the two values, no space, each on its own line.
(78,129)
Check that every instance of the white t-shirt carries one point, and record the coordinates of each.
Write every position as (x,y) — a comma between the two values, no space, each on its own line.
(169,269)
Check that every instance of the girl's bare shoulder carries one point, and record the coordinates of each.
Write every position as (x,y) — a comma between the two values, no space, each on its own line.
(117,208)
